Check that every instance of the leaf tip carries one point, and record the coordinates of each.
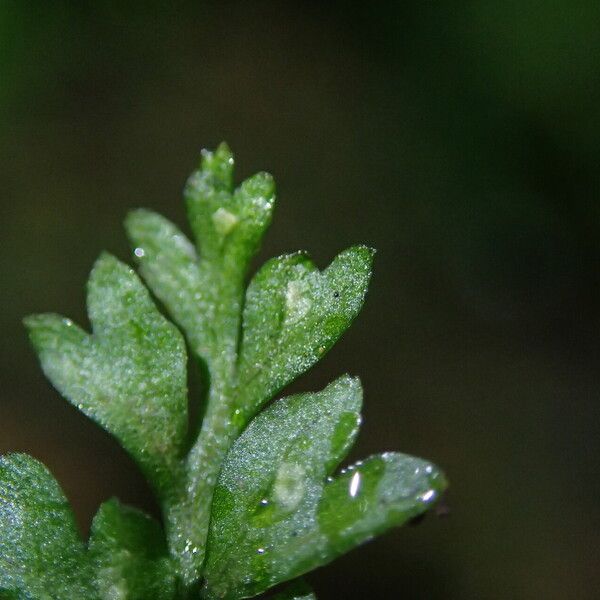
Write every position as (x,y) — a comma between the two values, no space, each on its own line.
(44,327)
(31,321)
(348,382)
(365,252)
(108,268)
(135,218)
(219,163)
(33,324)
(105,261)
(260,184)
(140,224)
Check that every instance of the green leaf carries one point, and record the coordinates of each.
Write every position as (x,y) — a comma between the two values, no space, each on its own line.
(298,590)
(129,376)
(41,554)
(228,224)
(130,556)
(168,262)
(293,315)
(276,516)
(369,497)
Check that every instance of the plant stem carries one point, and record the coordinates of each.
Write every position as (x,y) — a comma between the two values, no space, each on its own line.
(188,519)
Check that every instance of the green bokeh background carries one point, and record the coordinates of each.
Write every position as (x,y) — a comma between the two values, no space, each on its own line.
(461,139)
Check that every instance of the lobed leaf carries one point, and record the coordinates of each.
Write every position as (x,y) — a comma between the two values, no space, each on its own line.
(129,375)
(168,262)
(228,224)
(277,514)
(41,554)
(293,315)
(130,556)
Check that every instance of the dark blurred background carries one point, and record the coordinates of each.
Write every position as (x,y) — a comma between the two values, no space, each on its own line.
(461,139)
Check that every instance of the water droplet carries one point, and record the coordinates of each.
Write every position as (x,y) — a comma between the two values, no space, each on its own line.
(260,551)
(427,496)
(264,502)
(139,252)
(354,484)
